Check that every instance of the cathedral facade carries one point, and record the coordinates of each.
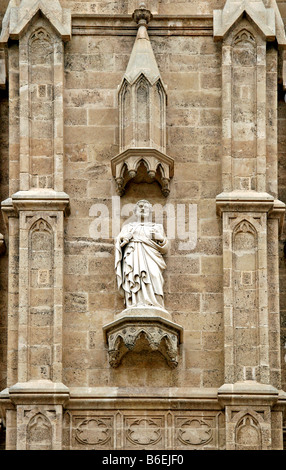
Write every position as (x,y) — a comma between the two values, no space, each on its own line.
(142,239)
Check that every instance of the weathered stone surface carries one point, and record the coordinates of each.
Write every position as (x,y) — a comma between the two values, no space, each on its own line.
(204,78)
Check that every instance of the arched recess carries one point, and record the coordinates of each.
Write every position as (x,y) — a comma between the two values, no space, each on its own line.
(41,108)
(39,433)
(244,110)
(248,433)
(41,300)
(142,106)
(125,117)
(159,115)
(245,296)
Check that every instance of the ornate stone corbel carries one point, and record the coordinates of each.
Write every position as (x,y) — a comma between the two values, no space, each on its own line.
(159,167)
(162,335)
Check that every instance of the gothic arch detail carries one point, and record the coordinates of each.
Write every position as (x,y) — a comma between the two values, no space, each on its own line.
(39,433)
(244,36)
(41,303)
(245,297)
(41,112)
(248,433)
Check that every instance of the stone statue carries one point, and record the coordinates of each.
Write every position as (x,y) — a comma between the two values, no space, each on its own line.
(139,263)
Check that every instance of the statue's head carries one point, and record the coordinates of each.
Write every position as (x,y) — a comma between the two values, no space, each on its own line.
(143,210)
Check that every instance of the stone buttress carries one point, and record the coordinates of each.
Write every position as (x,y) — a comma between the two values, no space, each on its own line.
(34,214)
(252,218)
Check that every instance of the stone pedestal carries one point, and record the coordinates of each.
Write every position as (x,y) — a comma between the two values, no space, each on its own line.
(35,414)
(154,324)
(253,415)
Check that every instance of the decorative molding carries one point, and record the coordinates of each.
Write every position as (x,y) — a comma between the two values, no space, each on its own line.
(248,393)
(44,392)
(38,200)
(160,25)
(245,201)
(251,201)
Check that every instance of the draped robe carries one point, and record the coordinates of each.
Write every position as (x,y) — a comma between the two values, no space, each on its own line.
(139,265)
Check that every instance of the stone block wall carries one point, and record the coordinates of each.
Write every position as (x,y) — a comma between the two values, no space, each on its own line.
(59,131)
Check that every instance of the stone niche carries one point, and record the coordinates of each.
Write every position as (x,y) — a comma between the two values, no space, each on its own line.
(144,324)
(142,100)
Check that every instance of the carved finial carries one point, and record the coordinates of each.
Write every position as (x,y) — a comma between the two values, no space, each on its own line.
(141,15)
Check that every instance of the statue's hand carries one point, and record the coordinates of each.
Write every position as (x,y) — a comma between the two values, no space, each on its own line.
(158,236)
(124,241)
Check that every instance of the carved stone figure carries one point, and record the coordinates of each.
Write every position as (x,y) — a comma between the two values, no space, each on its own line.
(139,262)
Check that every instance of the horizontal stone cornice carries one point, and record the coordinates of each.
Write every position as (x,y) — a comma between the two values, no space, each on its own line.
(160,25)
(245,201)
(39,392)
(162,398)
(248,393)
(36,199)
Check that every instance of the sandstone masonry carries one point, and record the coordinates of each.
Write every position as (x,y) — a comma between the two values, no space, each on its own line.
(102,104)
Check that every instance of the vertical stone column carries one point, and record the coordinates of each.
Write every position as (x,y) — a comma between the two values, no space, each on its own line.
(249,93)
(244,109)
(2,69)
(246,320)
(35,211)
(41,108)
(40,290)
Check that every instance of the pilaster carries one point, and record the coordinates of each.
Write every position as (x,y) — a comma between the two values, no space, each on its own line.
(251,220)
(34,213)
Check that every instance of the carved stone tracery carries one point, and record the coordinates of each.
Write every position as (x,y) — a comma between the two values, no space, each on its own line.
(195,432)
(248,434)
(93,431)
(144,432)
